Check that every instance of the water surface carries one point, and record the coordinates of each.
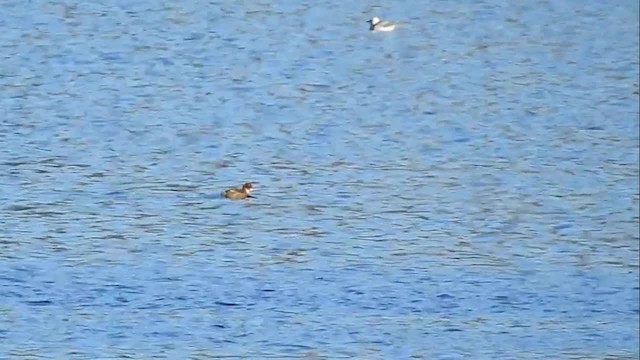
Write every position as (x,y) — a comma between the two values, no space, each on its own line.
(464,187)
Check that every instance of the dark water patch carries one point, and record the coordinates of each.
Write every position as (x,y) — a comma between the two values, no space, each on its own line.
(224,303)
(18,207)
(39,302)
(453,330)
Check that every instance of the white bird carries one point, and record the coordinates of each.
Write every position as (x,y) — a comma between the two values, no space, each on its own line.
(375,24)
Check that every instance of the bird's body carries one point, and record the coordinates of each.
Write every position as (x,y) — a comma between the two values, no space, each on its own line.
(375,24)
(242,192)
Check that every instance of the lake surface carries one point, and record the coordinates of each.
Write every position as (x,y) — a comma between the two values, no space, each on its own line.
(465,187)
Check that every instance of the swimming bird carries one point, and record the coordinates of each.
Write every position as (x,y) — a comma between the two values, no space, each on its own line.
(375,24)
(242,192)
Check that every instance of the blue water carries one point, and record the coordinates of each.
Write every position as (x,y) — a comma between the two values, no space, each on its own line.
(465,187)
